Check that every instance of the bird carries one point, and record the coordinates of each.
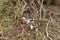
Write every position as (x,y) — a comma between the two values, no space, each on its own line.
(29,22)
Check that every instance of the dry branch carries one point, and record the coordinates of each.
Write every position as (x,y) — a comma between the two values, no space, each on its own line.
(47,34)
(23,9)
(1,32)
(22,34)
(41,9)
(43,37)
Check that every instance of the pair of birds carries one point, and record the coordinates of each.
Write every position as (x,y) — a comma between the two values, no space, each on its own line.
(30,22)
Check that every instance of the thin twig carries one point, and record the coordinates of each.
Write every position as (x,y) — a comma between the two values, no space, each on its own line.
(47,34)
(22,34)
(43,37)
(41,9)
(1,31)
(23,9)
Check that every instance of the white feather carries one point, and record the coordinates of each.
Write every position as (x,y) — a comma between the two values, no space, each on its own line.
(28,21)
(31,26)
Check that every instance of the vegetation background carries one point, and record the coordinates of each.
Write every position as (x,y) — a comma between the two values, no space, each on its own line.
(11,27)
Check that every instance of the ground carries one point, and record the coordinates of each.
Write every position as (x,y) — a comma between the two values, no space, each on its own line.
(11,27)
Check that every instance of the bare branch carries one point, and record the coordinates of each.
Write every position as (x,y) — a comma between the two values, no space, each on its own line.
(1,31)
(23,9)
(47,34)
(41,9)
(43,37)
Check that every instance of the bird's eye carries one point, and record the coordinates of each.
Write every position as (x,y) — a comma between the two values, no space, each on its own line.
(31,20)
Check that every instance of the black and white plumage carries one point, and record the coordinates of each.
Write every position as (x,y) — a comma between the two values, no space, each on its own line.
(29,22)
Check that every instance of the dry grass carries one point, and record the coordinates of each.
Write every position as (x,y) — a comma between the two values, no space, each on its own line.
(11,28)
